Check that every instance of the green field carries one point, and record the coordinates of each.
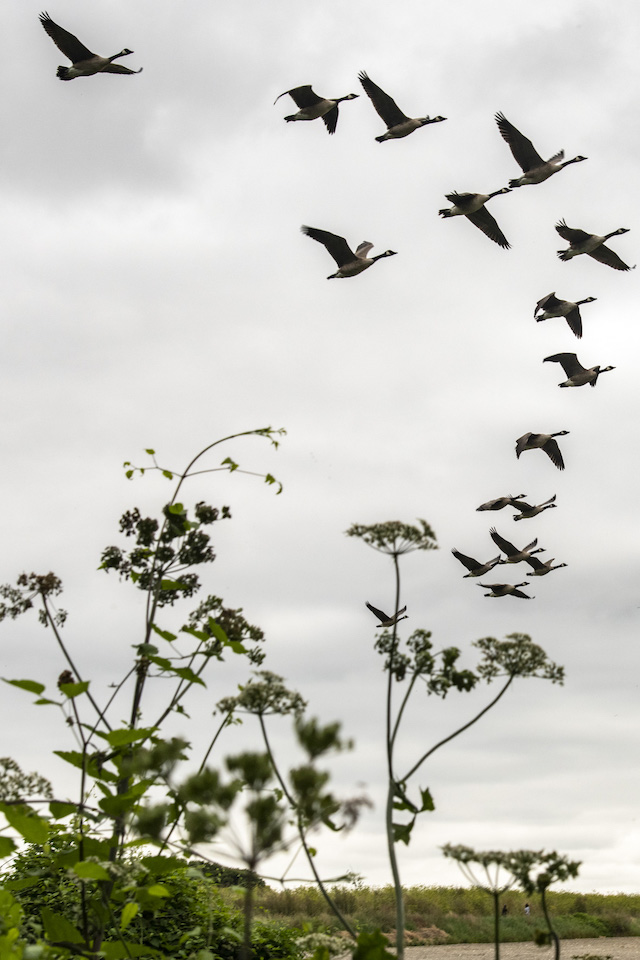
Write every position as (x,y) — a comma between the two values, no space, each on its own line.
(454,914)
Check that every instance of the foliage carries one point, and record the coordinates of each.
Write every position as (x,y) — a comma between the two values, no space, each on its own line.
(227,876)
(415,663)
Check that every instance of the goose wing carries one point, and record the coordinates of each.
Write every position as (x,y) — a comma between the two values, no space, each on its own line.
(302,96)
(550,302)
(504,545)
(524,152)
(485,222)
(386,108)
(119,68)
(468,562)
(379,613)
(604,255)
(552,450)
(569,361)
(363,249)
(570,233)
(518,593)
(65,41)
(536,564)
(330,119)
(336,246)
(574,320)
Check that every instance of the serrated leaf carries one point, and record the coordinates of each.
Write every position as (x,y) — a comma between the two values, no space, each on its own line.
(427,800)
(88,870)
(134,576)
(72,690)
(187,674)
(57,927)
(31,685)
(165,634)
(402,832)
(198,634)
(73,757)
(27,823)
(60,810)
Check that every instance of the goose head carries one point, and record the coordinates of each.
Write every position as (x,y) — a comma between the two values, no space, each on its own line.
(425,120)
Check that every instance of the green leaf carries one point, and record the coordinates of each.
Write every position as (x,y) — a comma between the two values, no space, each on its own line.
(177,508)
(172,585)
(57,927)
(160,865)
(125,736)
(7,846)
(150,451)
(129,911)
(158,890)
(372,946)
(43,700)
(167,474)
(72,690)
(229,462)
(73,757)
(121,949)
(60,810)
(27,823)
(31,685)
(427,800)
(88,870)
(165,634)
(402,832)
(187,674)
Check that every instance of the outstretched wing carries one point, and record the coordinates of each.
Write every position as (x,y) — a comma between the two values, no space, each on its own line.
(330,119)
(604,255)
(386,108)
(487,223)
(65,41)
(574,320)
(379,613)
(569,362)
(336,246)
(118,68)
(524,152)
(302,96)
(570,233)
(552,450)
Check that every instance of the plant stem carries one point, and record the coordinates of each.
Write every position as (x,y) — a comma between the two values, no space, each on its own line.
(391,731)
(553,934)
(496,923)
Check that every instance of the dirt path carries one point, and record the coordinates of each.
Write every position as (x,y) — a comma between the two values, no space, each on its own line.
(618,948)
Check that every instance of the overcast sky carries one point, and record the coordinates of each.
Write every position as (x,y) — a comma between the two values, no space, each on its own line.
(157,291)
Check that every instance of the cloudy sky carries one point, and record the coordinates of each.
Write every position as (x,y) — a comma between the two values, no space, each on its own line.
(157,291)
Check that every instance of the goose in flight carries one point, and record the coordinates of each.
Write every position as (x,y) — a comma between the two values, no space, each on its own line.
(552,306)
(472,206)
(350,264)
(506,590)
(398,124)
(591,244)
(84,63)
(312,106)
(534,168)
(475,569)
(386,621)
(576,373)
(540,569)
(500,502)
(528,510)
(542,441)
(513,554)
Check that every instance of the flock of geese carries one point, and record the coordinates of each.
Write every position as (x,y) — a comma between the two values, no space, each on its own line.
(535,170)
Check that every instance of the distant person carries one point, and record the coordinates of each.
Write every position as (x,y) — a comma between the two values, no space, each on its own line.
(504,910)
(527,909)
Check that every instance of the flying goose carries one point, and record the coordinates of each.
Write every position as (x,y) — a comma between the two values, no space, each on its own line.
(591,244)
(312,106)
(506,589)
(577,374)
(349,263)
(386,621)
(540,569)
(528,510)
(398,124)
(471,206)
(84,63)
(534,168)
(542,441)
(500,502)
(552,306)
(513,554)
(475,569)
